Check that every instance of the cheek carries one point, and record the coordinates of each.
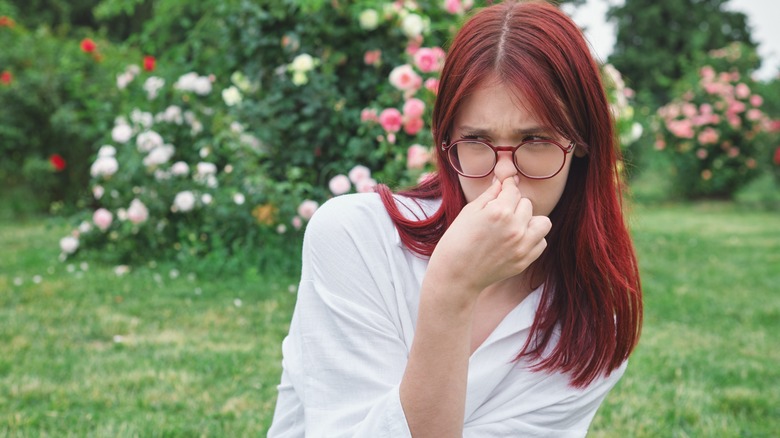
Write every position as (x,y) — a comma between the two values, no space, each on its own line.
(545,194)
(473,187)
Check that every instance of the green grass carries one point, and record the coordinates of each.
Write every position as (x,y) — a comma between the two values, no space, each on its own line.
(708,361)
(84,352)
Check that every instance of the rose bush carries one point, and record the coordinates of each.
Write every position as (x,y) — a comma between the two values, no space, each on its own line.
(226,163)
(716,133)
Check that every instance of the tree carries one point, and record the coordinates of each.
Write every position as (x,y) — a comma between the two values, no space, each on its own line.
(658,41)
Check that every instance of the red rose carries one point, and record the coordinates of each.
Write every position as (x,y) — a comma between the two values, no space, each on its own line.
(149,63)
(7,21)
(6,77)
(777,156)
(87,45)
(57,162)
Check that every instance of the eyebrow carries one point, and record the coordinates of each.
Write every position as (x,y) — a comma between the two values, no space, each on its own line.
(525,131)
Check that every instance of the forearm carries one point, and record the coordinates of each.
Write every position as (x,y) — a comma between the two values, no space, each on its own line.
(433,389)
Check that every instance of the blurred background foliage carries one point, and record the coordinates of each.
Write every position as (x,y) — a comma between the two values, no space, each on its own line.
(59,101)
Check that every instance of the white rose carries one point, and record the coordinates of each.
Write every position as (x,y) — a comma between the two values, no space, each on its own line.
(122,133)
(122,80)
(159,155)
(152,86)
(186,82)
(231,96)
(412,25)
(202,86)
(369,19)
(205,168)
(172,114)
(180,168)
(98,191)
(137,213)
(302,63)
(104,166)
(183,202)
(239,198)
(106,151)
(69,244)
(148,140)
(142,118)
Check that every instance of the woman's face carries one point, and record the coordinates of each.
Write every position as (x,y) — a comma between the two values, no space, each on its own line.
(495,115)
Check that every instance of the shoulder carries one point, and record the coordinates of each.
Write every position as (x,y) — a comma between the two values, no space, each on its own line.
(366,210)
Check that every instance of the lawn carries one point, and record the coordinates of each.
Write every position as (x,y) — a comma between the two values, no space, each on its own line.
(162,351)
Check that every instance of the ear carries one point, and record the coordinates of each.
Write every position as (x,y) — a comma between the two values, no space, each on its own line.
(580,151)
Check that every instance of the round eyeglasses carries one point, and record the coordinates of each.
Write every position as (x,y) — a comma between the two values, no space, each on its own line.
(534,159)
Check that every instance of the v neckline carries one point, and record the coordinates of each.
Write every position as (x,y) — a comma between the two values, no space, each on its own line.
(522,315)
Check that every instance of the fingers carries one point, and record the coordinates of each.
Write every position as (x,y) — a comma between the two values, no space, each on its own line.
(488,195)
(510,194)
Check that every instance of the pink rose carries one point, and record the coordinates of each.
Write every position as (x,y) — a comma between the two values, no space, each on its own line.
(416,156)
(701,153)
(756,100)
(754,114)
(297,222)
(707,72)
(368,115)
(405,78)
(366,185)
(390,119)
(307,208)
(414,45)
(372,57)
(414,108)
(680,128)
(742,91)
(708,136)
(413,126)
(429,60)
(712,88)
(432,85)
(359,173)
(339,185)
(137,213)
(689,110)
(102,218)
(453,6)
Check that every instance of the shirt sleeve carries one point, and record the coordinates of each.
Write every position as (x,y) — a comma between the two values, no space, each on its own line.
(344,356)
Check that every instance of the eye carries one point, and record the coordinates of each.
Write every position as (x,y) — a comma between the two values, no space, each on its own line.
(472,137)
(536,138)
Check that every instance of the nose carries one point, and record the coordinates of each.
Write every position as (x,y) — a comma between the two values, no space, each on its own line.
(505,166)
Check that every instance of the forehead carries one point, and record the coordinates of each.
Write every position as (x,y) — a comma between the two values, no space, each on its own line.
(496,106)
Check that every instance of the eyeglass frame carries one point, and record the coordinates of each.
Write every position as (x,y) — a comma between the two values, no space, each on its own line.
(496,149)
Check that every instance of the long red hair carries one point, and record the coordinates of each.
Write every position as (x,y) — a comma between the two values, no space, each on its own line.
(593,292)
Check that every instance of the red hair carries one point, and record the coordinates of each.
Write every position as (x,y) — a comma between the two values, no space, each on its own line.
(593,294)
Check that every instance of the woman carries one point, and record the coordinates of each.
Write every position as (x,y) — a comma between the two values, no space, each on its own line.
(499,298)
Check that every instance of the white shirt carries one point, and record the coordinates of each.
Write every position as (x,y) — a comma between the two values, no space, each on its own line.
(352,331)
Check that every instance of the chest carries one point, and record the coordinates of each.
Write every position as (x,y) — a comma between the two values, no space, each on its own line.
(488,314)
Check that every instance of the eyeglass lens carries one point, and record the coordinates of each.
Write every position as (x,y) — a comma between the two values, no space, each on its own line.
(533,159)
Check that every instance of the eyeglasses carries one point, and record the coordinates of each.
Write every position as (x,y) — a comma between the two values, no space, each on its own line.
(535,159)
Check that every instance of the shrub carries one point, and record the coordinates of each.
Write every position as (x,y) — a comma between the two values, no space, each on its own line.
(299,110)
(715,132)
(57,98)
